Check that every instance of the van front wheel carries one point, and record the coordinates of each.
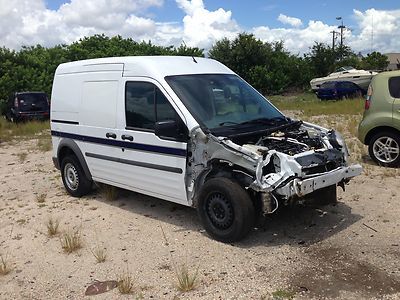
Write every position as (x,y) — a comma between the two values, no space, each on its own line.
(225,210)
(75,181)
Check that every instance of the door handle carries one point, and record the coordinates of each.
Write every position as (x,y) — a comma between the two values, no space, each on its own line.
(111,135)
(127,137)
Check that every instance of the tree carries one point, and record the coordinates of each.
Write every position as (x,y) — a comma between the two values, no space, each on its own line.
(267,66)
(375,61)
(322,59)
(32,68)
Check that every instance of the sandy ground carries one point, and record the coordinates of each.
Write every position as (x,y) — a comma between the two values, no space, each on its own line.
(349,251)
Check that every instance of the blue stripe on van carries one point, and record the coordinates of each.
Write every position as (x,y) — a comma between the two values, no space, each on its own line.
(122,144)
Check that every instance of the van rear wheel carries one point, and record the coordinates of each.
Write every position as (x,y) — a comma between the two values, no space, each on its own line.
(75,181)
(225,210)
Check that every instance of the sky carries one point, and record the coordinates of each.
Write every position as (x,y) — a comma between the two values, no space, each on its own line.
(371,25)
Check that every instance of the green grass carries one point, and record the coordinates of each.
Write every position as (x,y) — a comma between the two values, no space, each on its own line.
(10,131)
(310,105)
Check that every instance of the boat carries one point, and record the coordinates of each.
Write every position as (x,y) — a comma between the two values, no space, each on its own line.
(360,77)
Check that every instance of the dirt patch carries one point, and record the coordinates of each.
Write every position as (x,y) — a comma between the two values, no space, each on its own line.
(332,272)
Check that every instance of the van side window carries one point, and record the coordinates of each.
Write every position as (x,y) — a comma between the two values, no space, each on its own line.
(139,105)
(145,104)
(394,87)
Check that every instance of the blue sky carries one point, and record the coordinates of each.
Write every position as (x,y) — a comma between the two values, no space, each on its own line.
(202,22)
(254,13)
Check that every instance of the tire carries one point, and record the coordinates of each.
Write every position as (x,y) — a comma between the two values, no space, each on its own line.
(75,181)
(225,210)
(384,149)
(324,196)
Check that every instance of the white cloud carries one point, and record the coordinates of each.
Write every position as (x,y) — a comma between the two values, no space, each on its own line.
(295,22)
(296,40)
(202,27)
(377,30)
(29,22)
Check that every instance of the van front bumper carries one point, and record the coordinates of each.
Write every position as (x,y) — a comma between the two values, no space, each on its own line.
(302,186)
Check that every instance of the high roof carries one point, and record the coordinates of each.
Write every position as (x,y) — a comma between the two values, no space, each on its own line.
(150,66)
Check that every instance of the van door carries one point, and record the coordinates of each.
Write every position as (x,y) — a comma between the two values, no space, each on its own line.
(148,163)
(394,90)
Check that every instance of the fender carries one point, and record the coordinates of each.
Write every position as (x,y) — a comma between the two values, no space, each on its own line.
(73,146)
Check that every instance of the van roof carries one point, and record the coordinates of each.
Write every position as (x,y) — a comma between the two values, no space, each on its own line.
(150,66)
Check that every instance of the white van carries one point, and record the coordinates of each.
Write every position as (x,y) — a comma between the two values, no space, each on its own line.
(190,131)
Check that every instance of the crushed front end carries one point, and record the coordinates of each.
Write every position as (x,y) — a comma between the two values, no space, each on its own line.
(281,165)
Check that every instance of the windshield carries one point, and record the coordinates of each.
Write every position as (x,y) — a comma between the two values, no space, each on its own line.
(345,68)
(218,100)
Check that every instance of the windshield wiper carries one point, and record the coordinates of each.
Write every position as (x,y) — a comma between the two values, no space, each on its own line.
(290,123)
(228,123)
(266,121)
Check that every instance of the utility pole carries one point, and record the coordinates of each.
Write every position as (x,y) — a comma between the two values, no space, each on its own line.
(341,27)
(334,35)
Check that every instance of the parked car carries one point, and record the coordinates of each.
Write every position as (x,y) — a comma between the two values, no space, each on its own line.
(339,90)
(23,106)
(190,131)
(380,126)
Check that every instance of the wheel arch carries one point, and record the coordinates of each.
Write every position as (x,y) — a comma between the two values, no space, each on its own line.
(376,130)
(218,168)
(68,147)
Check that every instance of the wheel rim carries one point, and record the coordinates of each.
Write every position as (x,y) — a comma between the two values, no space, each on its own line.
(71,176)
(220,211)
(386,149)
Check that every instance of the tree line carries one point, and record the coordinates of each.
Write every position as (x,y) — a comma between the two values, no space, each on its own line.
(269,67)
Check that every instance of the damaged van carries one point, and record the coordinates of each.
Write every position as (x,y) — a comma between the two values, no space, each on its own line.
(190,131)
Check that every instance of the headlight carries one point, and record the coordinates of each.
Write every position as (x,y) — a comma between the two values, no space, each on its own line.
(342,143)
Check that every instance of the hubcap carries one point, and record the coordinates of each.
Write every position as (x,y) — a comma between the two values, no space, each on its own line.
(386,149)
(219,210)
(71,176)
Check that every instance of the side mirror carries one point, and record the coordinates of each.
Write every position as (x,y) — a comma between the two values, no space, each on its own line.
(171,130)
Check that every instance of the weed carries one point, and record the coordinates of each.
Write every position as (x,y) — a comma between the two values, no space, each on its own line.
(41,198)
(52,226)
(71,241)
(22,156)
(5,267)
(44,144)
(125,283)
(186,281)
(21,221)
(282,295)
(100,254)
(110,192)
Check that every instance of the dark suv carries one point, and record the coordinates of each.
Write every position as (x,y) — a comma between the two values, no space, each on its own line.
(27,106)
(339,90)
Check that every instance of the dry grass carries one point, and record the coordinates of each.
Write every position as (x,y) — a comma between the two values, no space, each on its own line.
(9,131)
(126,283)
(5,265)
(110,192)
(71,241)
(41,198)
(52,226)
(44,144)
(100,254)
(186,280)
(22,156)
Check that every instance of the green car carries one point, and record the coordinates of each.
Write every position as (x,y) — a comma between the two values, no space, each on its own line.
(380,126)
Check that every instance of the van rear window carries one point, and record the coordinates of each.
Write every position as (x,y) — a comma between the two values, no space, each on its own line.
(32,102)
(394,87)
